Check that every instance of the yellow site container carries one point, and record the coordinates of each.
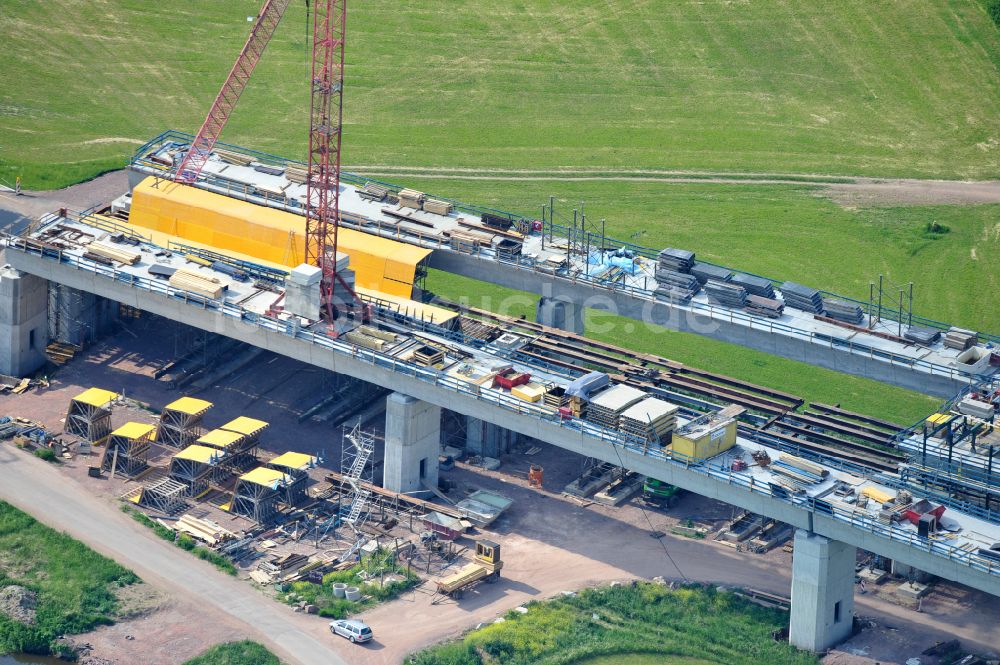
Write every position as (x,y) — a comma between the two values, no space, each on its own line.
(705,442)
(267,234)
(529,392)
(939,418)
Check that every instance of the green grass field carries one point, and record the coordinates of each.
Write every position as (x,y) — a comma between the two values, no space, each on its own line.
(74,585)
(849,87)
(637,625)
(236,653)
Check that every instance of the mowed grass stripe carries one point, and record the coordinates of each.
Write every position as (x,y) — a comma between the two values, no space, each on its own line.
(850,87)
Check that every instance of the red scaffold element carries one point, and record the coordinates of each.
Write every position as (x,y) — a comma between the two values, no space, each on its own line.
(203,143)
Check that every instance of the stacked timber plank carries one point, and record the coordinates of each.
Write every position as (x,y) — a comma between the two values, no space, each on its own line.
(706,271)
(438,207)
(204,530)
(957,338)
(231,157)
(411,198)
(798,470)
(651,419)
(606,407)
(373,192)
(358,338)
(802,297)
(469,243)
(556,397)
(768,307)
(678,260)
(118,254)
(209,287)
(924,336)
(755,286)
(724,293)
(842,310)
(296,174)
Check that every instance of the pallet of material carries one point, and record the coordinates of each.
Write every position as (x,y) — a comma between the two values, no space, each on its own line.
(605,408)
(802,297)
(365,341)
(768,307)
(653,419)
(724,293)
(923,336)
(755,286)
(411,198)
(706,271)
(678,260)
(555,397)
(204,530)
(296,174)
(373,191)
(957,338)
(209,287)
(498,222)
(438,207)
(842,310)
(118,254)
(233,157)
(467,242)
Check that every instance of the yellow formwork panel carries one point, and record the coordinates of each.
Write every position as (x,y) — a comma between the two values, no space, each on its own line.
(96,397)
(202,454)
(267,234)
(134,431)
(220,438)
(292,460)
(264,476)
(245,425)
(191,406)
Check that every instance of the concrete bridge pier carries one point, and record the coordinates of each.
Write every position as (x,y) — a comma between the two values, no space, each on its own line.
(560,311)
(822,591)
(412,443)
(486,439)
(23,322)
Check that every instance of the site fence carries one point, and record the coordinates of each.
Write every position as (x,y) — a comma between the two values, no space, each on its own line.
(625,443)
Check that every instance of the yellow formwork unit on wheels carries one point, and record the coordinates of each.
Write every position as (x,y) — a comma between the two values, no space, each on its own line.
(268,234)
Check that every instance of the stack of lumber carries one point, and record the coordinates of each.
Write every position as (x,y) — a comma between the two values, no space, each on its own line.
(768,307)
(428,356)
(59,353)
(282,565)
(209,287)
(411,198)
(556,397)
(678,260)
(723,293)
(606,407)
(204,530)
(925,336)
(841,310)
(706,271)
(296,174)
(119,254)
(802,297)
(957,338)
(233,157)
(467,242)
(373,191)
(755,286)
(384,335)
(652,419)
(438,207)
(800,471)
(358,338)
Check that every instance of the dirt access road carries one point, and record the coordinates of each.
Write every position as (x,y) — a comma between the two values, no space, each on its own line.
(63,504)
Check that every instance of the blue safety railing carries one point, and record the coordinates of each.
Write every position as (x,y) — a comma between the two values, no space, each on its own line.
(623,441)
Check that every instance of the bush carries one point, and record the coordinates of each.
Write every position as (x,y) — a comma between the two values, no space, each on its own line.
(46,454)
(993,9)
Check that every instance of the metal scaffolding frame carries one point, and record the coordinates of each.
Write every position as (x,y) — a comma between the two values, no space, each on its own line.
(128,449)
(195,467)
(165,495)
(89,415)
(258,493)
(296,466)
(244,456)
(181,422)
(357,472)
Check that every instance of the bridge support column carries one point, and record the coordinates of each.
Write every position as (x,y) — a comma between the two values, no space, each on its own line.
(822,591)
(560,312)
(23,324)
(487,439)
(412,443)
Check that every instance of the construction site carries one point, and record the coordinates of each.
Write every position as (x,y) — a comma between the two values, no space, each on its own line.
(241,347)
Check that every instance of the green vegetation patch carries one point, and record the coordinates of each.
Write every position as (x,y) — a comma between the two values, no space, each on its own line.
(71,588)
(636,625)
(236,653)
(847,87)
(368,575)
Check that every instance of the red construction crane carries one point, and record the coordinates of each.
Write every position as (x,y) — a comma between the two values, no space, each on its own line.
(325,122)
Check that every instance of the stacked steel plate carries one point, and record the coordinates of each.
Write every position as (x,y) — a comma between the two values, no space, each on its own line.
(724,293)
(768,307)
(675,286)
(925,336)
(706,271)
(607,406)
(841,310)
(678,260)
(756,286)
(802,297)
